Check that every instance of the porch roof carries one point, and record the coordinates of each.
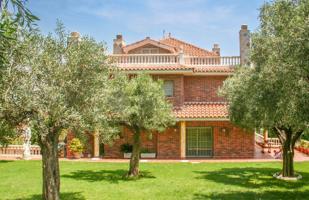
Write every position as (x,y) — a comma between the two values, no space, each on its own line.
(178,67)
(202,110)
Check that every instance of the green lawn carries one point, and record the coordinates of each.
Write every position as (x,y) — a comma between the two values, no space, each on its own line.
(82,180)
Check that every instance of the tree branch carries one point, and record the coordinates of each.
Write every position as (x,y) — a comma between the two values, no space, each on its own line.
(296,136)
(279,134)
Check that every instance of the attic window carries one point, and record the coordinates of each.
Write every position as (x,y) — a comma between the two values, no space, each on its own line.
(168,88)
(150,50)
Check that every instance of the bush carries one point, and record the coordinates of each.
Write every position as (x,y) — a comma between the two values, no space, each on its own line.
(76,146)
(126,148)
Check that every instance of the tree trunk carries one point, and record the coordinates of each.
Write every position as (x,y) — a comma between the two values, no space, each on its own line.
(288,139)
(288,158)
(134,161)
(50,166)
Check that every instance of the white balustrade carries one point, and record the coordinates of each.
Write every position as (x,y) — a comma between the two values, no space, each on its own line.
(124,59)
(145,59)
(271,142)
(15,150)
(274,142)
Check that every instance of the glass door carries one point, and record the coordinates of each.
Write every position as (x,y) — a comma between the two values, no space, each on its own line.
(199,142)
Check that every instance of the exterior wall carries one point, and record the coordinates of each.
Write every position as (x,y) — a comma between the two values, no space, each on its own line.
(235,143)
(178,97)
(139,50)
(113,150)
(168,145)
(203,88)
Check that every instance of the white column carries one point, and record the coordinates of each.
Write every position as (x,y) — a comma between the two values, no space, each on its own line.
(181,56)
(183,139)
(96,145)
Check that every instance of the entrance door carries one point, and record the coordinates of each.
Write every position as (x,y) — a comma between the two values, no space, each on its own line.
(199,142)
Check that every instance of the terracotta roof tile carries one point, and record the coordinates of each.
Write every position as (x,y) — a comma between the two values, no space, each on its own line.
(194,69)
(227,69)
(196,110)
(188,49)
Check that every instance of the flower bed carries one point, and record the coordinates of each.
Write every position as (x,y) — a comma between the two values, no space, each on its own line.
(303,147)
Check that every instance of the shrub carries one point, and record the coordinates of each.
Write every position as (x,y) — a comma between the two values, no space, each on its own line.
(126,148)
(76,145)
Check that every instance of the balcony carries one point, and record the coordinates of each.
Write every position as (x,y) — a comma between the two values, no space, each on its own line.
(173,59)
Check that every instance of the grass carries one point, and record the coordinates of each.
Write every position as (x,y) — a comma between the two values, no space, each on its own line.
(100,181)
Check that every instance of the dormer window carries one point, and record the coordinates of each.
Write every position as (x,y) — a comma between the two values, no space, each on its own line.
(168,88)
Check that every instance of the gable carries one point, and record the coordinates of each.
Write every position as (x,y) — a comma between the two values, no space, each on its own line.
(149,49)
(140,45)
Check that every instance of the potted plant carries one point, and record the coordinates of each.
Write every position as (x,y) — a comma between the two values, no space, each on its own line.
(146,153)
(76,147)
(126,149)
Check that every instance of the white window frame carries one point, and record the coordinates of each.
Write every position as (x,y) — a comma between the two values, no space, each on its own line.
(169,92)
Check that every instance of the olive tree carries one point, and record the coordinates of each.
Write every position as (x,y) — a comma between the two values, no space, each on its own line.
(138,103)
(59,81)
(274,94)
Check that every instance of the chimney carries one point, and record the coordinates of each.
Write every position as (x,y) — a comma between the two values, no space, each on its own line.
(118,44)
(216,49)
(244,44)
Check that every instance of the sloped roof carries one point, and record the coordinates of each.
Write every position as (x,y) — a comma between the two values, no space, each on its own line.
(162,68)
(224,69)
(189,49)
(202,110)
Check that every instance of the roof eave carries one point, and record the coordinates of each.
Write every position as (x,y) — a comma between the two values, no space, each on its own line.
(203,119)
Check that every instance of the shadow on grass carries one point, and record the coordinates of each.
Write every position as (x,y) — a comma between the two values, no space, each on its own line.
(112,176)
(5,161)
(63,196)
(251,178)
(259,195)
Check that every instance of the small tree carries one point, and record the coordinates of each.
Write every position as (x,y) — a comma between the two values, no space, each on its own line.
(139,104)
(57,82)
(275,93)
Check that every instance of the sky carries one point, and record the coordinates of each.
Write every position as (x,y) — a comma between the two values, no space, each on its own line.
(200,22)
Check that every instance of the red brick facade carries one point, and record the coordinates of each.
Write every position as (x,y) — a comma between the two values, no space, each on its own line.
(203,88)
(231,143)
(234,143)
(178,98)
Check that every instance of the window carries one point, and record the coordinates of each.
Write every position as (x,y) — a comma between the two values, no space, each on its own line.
(169,88)
(150,51)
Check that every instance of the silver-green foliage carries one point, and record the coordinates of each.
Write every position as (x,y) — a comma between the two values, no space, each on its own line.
(57,83)
(138,102)
(274,94)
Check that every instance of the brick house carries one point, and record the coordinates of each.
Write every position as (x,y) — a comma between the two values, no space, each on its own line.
(191,76)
